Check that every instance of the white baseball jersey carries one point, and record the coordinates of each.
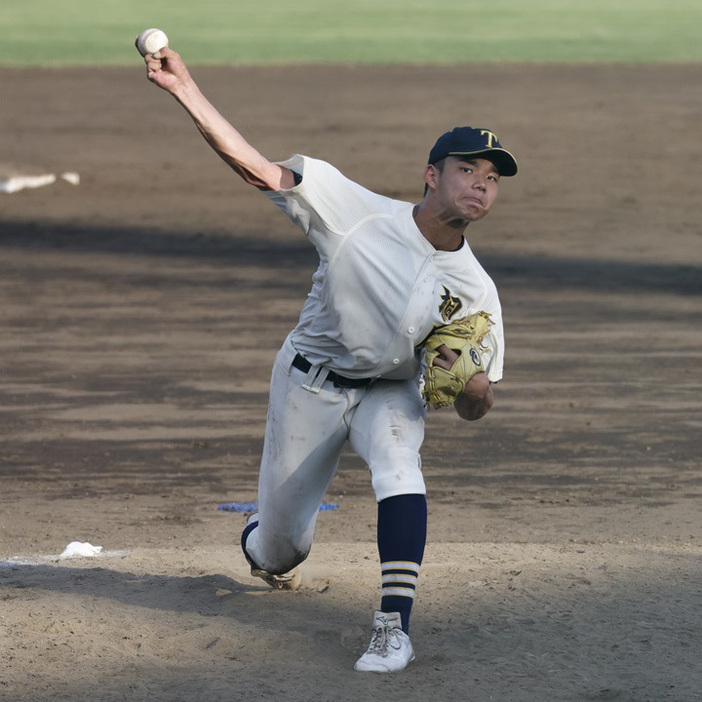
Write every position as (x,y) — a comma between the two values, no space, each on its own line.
(381,287)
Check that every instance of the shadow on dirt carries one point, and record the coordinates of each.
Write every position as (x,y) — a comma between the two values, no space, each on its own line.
(249,250)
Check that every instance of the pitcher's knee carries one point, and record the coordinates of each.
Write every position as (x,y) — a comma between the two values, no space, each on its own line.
(276,554)
(397,473)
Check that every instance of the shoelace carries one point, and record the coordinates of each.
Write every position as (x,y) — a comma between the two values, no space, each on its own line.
(381,639)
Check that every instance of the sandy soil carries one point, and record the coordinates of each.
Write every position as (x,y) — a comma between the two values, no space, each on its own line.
(140,312)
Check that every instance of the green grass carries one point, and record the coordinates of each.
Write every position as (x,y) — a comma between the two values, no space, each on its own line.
(101,32)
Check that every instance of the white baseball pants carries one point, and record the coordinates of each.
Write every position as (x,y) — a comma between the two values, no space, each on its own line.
(305,434)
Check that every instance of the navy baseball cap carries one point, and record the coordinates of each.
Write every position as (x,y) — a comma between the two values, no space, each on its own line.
(472,141)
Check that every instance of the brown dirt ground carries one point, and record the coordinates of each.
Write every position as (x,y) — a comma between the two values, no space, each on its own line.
(140,312)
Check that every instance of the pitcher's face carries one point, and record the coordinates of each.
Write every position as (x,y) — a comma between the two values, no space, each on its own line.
(464,188)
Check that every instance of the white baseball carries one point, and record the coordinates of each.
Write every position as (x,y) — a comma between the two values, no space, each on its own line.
(151,40)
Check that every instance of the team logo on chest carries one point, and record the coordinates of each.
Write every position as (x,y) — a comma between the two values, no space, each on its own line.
(449,305)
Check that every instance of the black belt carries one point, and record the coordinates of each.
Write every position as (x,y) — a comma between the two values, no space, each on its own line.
(339,381)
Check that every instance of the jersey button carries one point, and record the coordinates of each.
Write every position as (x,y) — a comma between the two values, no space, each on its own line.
(396,361)
(411,330)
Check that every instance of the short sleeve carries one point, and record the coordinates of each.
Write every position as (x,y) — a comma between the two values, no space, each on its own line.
(326,203)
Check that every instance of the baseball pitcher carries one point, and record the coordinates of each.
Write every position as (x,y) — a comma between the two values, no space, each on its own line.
(400,315)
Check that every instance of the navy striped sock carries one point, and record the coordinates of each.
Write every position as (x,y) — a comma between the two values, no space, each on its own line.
(402,533)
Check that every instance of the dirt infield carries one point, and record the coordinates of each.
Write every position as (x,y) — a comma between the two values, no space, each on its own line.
(140,312)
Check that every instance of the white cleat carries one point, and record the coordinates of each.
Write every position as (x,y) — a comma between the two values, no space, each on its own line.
(390,649)
(286,581)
